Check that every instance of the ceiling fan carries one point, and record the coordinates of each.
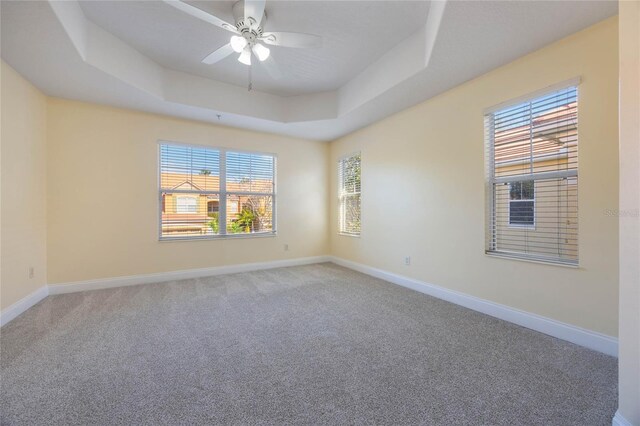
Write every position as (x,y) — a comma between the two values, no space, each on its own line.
(248,33)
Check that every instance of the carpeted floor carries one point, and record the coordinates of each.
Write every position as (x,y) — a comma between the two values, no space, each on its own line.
(315,344)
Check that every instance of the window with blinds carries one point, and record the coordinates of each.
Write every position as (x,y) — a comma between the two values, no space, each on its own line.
(349,194)
(532,178)
(214,192)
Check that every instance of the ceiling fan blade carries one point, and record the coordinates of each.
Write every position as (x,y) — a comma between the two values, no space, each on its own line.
(201,14)
(254,9)
(219,54)
(285,39)
(272,68)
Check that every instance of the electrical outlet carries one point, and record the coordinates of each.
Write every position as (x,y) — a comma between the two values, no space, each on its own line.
(407,260)
(31,272)
(286,247)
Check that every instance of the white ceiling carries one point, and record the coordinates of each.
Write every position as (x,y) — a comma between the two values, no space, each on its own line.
(146,56)
(354,35)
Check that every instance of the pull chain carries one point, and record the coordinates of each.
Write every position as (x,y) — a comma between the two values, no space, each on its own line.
(250,79)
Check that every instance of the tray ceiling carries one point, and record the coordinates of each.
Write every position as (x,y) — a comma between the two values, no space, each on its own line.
(379,57)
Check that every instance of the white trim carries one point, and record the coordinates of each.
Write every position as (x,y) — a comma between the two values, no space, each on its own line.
(531,259)
(22,305)
(571,333)
(572,82)
(104,283)
(536,176)
(214,237)
(619,420)
(347,234)
(342,195)
(580,336)
(213,147)
(222,192)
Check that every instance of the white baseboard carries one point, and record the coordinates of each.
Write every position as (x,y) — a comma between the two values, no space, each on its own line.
(103,283)
(571,333)
(22,305)
(589,339)
(618,420)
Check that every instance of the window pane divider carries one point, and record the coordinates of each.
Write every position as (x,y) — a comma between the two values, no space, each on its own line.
(222,203)
(264,194)
(535,176)
(188,191)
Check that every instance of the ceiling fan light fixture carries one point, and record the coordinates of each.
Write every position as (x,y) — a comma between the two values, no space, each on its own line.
(261,52)
(245,57)
(238,43)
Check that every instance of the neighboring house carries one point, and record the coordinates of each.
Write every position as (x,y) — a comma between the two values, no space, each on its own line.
(189,208)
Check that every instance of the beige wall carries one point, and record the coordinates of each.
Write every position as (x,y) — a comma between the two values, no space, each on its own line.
(629,363)
(423,188)
(23,192)
(100,157)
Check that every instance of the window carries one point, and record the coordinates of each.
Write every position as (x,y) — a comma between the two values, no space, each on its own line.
(213,206)
(521,203)
(202,188)
(532,178)
(349,194)
(186,205)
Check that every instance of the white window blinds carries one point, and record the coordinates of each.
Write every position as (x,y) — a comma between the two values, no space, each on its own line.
(532,178)
(349,194)
(202,188)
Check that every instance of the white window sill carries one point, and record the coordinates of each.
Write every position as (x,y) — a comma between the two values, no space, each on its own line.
(516,226)
(523,258)
(346,234)
(218,237)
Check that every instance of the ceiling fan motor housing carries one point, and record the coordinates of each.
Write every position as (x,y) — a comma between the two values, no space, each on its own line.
(248,28)
(250,34)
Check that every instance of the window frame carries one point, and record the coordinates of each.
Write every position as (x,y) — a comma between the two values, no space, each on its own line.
(221,190)
(491,179)
(341,195)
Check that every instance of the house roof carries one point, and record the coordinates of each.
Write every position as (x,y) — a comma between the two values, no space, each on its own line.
(200,182)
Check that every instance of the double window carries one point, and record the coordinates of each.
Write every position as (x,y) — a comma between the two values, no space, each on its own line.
(212,192)
(349,183)
(532,178)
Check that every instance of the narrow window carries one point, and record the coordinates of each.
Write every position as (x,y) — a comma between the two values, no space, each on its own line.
(349,194)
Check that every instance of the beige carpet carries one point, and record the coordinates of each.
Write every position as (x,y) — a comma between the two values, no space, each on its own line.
(315,344)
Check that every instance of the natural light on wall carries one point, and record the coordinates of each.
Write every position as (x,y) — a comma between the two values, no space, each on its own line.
(532,178)
(202,188)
